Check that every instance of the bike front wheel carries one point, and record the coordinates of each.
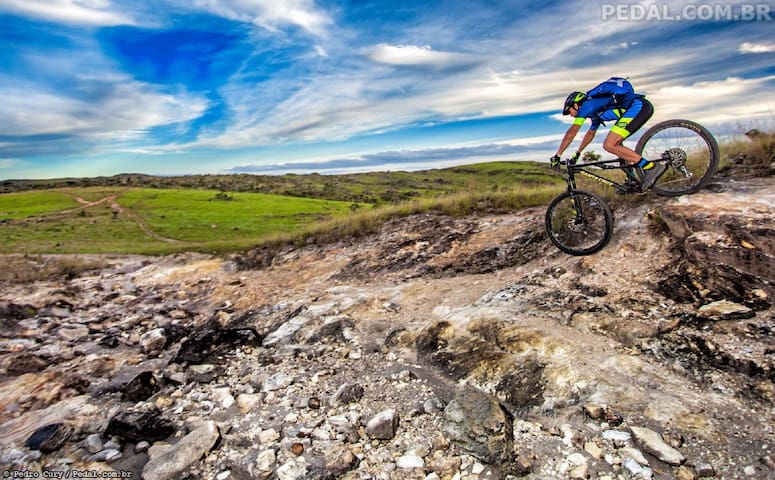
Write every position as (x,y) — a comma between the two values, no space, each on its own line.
(579,222)
(690,151)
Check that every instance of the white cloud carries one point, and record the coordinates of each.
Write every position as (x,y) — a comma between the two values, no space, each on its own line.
(617,48)
(77,12)
(270,14)
(124,106)
(7,162)
(411,55)
(727,100)
(748,47)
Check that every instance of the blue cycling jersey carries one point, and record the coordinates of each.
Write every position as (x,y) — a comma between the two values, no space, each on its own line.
(598,110)
(609,101)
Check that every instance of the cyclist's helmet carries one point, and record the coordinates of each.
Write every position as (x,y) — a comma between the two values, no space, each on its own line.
(573,98)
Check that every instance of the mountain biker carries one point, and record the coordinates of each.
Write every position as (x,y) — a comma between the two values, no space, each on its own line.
(613,100)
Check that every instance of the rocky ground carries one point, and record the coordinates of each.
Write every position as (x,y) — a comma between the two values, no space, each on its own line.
(437,349)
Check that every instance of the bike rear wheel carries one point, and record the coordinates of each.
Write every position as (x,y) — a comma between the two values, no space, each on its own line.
(690,151)
(579,222)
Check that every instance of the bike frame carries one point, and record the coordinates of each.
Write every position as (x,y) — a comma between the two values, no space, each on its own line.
(573,169)
(581,169)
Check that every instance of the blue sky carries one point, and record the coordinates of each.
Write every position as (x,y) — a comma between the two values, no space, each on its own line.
(100,87)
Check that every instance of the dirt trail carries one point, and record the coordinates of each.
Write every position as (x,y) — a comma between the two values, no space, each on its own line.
(119,210)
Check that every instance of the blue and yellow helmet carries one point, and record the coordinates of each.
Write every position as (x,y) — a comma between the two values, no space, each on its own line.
(573,98)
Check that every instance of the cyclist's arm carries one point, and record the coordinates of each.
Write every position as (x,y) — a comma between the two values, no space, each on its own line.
(568,138)
(588,137)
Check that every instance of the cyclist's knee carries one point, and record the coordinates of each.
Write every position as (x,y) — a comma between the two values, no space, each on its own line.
(612,143)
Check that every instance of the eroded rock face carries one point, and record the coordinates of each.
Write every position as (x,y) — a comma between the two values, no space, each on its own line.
(727,245)
(540,363)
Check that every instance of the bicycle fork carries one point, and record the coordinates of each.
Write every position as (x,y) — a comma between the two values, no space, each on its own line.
(578,216)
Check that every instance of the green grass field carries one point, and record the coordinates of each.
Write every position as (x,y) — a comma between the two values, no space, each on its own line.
(197,216)
(240,211)
(51,222)
(25,204)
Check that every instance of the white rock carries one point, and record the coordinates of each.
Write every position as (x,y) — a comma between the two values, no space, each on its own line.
(93,443)
(276,382)
(652,443)
(594,450)
(724,309)
(153,340)
(383,425)
(617,436)
(268,436)
(285,333)
(222,395)
(635,454)
(409,462)
(248,401)
(632,466)
(579,472)
(178,457)
(266,460)
(292,470)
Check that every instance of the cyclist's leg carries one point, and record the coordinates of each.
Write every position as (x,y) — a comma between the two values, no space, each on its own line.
(630,122)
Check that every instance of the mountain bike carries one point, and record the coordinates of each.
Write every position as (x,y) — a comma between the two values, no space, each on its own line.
(580,223)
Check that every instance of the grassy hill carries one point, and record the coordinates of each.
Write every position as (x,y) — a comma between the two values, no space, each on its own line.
(158,215)
(371,187)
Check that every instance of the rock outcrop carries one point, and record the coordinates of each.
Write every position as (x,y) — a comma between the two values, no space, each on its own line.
(438,348)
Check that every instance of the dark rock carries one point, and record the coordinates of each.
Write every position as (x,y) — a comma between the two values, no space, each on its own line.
(455,354)
(704,469)
(524,385)
(140,426)
(613,418)
(26,363)
(211,346)
(393,338)
(479,425)
(140,388)
(332,329)
(49,438)
(592,291)
(13,311)
(347,393)
(109,341)
(335,462)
